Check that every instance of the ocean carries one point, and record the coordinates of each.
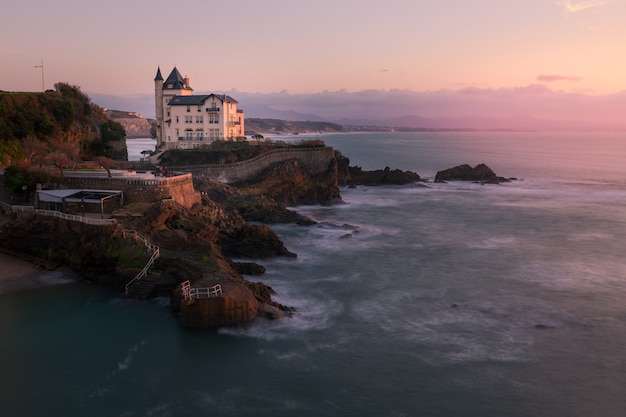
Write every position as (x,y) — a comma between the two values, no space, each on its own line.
(454,299)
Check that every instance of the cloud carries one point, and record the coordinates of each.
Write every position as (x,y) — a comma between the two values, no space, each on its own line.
(534,100)
(573,6)
(552,77)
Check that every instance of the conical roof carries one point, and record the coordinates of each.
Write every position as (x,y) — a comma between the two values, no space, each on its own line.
(175,81)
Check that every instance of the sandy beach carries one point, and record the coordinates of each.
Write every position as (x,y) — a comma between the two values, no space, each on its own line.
(17,274)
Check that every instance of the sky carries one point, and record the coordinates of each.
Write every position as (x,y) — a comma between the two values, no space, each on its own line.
(557,59)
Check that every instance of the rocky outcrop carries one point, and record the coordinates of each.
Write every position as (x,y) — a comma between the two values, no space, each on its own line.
(253,241)
(248,268)
(291,184)
(352,176)
(209,233)
(236,305)
(480,173)
(251,207)
(190,240)
(385,176)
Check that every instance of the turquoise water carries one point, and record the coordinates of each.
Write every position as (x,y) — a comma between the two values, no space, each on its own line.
(446,300)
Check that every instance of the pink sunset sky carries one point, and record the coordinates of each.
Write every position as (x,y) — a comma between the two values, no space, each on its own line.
(336,59)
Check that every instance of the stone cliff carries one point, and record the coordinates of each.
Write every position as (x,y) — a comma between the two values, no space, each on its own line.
(134,125)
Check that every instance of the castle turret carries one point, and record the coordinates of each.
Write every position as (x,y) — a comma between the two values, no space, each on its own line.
(158,105)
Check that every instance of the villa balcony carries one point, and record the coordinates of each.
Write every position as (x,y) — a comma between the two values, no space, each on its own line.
(216,110)
(195,138)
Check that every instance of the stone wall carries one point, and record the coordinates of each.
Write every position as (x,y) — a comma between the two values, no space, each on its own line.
(179,188)
(315,160)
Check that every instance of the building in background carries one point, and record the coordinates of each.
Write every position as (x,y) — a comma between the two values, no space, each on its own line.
(187,121)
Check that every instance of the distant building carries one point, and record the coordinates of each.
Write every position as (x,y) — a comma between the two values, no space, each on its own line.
(186,121)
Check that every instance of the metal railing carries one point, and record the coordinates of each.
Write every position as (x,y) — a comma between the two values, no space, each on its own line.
(88,220)
(58,214)
(206,292)
(16,209)
(152,249)
(203,292)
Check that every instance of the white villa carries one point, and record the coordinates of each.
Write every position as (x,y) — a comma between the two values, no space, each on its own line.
(186,121)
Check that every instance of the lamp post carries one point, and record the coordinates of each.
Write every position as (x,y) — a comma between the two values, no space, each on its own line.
(43,88)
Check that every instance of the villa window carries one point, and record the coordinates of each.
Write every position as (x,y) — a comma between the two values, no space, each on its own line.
(199,119)
(188,109)
(199,108)
(176,119)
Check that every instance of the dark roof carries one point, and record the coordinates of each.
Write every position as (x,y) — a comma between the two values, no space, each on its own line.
(76,195)
(199,100)
(225,98)
(176,81)
(158,77)
(187,100)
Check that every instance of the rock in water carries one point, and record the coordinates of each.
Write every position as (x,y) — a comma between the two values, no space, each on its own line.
(480,172)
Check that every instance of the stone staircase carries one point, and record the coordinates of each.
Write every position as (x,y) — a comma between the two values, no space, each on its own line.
(142,285)
(142,288)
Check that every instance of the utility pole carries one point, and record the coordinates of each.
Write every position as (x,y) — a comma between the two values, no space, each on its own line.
(43,88)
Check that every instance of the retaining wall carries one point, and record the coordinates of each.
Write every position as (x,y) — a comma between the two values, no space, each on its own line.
(315,160)
(179,188)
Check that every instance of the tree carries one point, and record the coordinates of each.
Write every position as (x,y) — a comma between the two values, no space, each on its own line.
(106,163)
(70,149)
(9,151)
(35,150)
(58,159)
(22,182)
(65,113)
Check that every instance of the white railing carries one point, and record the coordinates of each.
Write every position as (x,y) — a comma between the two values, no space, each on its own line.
(53,213)
(88,220)
(204,292)
(140,238)
(152,249)
(16,209)
(23,209)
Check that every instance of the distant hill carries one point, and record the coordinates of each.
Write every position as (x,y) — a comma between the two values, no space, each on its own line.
(515,123)
(276,126)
